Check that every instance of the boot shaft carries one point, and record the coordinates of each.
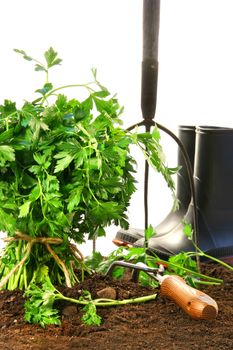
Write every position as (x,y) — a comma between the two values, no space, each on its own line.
(213,178)
(187,136)
(213,172)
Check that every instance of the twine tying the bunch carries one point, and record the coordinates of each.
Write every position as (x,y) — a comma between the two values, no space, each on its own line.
(46,241)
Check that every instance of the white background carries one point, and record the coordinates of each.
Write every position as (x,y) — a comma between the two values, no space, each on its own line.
(195,66)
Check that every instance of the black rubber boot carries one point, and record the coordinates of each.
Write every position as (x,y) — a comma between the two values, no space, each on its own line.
(186,134)
(213,180)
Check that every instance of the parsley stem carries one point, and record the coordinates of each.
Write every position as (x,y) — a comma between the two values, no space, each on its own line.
(109,302)
(201,253)
(213,279)
(87,86)
(15,268)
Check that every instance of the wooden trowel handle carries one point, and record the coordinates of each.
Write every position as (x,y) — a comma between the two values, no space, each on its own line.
(195,303)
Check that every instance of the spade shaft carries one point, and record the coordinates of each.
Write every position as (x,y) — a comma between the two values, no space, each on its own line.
(149,73)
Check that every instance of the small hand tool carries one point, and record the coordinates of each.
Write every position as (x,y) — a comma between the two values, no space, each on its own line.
(195,303)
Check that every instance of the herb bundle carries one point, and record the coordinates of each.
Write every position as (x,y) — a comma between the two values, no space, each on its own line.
(66,171)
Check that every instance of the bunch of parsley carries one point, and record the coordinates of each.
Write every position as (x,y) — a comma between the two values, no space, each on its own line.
(65,171)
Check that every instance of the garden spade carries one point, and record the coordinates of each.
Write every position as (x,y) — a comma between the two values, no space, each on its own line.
(194,302)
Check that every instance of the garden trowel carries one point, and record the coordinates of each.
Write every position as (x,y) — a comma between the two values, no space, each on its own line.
(194,302)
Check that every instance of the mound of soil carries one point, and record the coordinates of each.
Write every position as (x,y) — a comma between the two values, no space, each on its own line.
(157,324)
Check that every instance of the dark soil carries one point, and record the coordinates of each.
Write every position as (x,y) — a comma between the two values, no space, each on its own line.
(158,324)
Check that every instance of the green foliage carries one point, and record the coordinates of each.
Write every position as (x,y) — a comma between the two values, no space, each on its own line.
(149,232)
(63,167)
(90,317)
(39,304)
(7,154)
(132,255)
(188,231)
(50,57)
(181,264)
(182,260)
(66,168)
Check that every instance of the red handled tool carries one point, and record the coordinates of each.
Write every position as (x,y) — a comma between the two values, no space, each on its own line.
(195,303)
